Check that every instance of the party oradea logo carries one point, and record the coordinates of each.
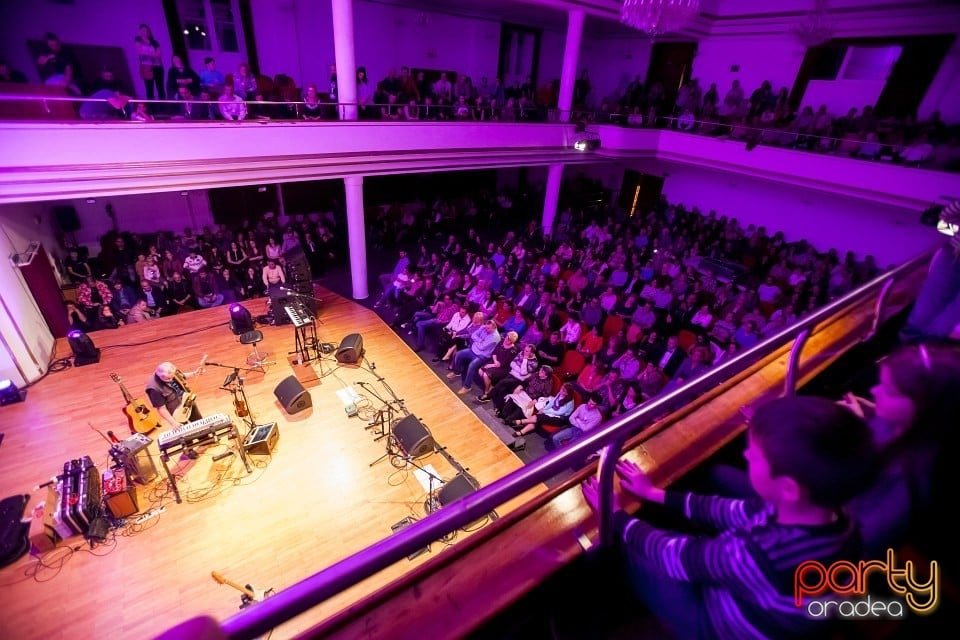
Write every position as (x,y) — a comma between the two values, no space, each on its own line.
(868,589)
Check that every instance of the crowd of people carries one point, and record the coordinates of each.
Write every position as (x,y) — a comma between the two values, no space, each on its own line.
(764,116)
(137,278)
(562,332)
(768,117)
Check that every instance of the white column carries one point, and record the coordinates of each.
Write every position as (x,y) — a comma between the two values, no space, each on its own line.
(356,235)
(551,198)
(571,51)
(346,60)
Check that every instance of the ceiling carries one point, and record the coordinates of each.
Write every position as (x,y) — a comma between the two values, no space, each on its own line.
(603,15)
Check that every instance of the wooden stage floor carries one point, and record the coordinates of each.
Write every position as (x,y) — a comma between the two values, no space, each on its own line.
(316,500)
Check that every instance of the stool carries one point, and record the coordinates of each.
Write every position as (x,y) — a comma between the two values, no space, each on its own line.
(255,359)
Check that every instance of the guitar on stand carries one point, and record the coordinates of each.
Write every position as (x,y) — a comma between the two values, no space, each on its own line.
(143,417)
(248,595)
(182,413)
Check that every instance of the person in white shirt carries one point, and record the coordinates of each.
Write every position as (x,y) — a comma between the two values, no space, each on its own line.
(570,331)
(194,262)
(584,419)
(231,106)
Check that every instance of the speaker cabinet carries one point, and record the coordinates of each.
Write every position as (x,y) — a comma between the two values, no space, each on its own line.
(413,438)
(351,349)
(262,439)
(292,396)
(460,486)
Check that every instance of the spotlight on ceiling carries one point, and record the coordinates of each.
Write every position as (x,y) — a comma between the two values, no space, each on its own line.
(9,393)
(84,351)
(240,319)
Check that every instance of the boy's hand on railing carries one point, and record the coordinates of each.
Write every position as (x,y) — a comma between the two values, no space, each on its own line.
(635,481)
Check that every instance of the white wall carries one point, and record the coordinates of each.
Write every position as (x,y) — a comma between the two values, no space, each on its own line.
(25,340)
(91,22)
(775,58)
(295,37)
(389,36)
(890,234)
(142,213)
(942,95)
(842,95)
(613,63)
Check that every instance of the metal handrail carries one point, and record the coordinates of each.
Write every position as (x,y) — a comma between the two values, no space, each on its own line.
(343,574)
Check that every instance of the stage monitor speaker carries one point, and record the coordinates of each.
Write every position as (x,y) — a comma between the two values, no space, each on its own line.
(351,349)
(292,396)
(460,486)
(413,438)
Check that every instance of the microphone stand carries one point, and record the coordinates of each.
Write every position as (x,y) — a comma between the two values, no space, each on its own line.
(372,368)
(234,384)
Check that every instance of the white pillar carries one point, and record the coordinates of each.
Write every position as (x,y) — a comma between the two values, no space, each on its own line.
(551,199)
(356,235)
(346,60)
(571,50)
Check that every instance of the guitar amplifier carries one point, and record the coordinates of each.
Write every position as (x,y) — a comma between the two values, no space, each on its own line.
(121,497)
(137,459)
(262,439)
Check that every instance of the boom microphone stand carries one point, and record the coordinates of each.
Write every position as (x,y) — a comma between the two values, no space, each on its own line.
(234,384)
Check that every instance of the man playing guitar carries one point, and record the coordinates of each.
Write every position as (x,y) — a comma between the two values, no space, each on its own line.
(169,394)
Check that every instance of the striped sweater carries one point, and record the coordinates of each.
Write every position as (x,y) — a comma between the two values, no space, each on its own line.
(746,570)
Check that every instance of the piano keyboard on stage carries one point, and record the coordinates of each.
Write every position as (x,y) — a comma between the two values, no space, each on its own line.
(192,432)
(299,315)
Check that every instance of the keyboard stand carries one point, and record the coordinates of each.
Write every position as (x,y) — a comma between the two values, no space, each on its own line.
(305,343)
(232,434)
(164,457)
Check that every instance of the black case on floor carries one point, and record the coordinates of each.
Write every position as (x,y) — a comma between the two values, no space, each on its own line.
(14,534)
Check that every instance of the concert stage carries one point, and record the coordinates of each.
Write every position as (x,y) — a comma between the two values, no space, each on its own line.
(319,497)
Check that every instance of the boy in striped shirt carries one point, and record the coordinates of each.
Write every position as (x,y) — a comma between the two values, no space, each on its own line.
(806,457)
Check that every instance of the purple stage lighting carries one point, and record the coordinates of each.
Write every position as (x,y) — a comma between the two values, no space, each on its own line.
(84,351)
(240,320)
(9,393)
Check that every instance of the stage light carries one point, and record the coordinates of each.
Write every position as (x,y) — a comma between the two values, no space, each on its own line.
(84,351)
(9,393)
(240,319)
(587,144)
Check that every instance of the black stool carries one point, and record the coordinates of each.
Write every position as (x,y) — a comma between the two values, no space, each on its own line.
(256,359)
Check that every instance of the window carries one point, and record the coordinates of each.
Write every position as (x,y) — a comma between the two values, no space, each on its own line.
(225,25)
(193,16)
(209,25)
(869,63)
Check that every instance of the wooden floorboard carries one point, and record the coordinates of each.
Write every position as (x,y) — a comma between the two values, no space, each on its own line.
(316,500)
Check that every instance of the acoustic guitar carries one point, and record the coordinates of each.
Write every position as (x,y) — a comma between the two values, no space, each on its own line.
(182,413)
(143,418)
(249,593)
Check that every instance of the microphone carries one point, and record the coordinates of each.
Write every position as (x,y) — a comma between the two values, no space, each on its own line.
(221,456)
(373,366)
(230,378)
(113,438)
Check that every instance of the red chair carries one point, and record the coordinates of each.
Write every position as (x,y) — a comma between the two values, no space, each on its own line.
(571,365)
(686,339)
(611,326)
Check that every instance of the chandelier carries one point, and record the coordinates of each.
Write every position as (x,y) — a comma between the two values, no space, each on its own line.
(656,17)
(815,28)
